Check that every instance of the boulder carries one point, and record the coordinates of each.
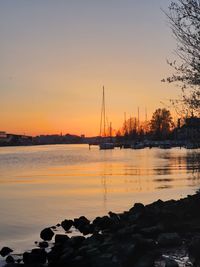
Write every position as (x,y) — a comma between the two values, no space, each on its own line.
(43,244)
(47,234)
(104,260)
(103,223)
(61,260)
(14,265)
(78,261)
(171,263)
(86,229)
(81,221)
(10,259)
(169,239)
(194,251)
(152,232)
(138,208)
(59,238)
(5,251)
(145,261)
(76,241)
(36,256)
(66,224)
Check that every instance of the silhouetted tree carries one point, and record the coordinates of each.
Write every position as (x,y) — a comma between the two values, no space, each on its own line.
(184,18)
(161,123)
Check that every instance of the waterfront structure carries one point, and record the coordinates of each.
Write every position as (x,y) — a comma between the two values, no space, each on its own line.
(8,139)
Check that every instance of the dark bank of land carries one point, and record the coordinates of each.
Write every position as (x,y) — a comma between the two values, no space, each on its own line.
(185,134)
(164,233)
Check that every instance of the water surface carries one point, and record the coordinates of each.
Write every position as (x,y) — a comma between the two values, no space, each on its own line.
(42,185)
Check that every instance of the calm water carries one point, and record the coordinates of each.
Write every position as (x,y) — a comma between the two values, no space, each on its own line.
(42,185)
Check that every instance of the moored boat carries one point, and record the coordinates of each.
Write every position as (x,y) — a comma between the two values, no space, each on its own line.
(106,146)
(105,142)
(138,145)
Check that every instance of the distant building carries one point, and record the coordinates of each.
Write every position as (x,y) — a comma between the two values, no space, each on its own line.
(4,138)
(3,134)
(190,130)
(7,139)
(193,122)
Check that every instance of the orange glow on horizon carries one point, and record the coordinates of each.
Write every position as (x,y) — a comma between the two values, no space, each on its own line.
(52,76)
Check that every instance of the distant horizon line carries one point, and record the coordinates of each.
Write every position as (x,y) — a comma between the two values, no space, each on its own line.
(46,134)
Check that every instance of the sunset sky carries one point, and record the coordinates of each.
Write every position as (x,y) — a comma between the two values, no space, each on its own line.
(55,56)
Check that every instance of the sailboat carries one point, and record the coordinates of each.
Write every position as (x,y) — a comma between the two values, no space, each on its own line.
(103,142)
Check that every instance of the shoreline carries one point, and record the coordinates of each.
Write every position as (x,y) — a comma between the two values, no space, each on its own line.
(163,233)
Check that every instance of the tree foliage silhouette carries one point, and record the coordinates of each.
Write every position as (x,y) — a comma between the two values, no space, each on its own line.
(184,18)
(161,123)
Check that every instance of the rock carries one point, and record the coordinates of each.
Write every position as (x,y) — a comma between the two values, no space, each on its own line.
(76,241)
(103,223)
(53,256)
(138,208)
(81,220)
(125,233)
(59,238)
(66,224)
(47,234)
(10,259)
(171,263)
(145,261)
(114,216)
(62,260)
(103,260)
(158,203)
(152,232)
(94,240)
(43,244)
(194,251)
(36,256)
(135,238)
(78,261)
(107,245)
(169,239)
(14,265)
(129,254)
(83,225)
(93,253)
(5,251)
(86,229)
(147,243)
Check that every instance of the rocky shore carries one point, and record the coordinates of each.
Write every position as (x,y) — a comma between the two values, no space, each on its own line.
(159,234)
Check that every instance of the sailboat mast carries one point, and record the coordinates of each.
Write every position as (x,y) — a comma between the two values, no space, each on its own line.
(103,116)
(125,125)
(145,120)
(110,129)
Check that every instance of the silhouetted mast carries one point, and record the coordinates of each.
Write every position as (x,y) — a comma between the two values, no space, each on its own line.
(125,126)
(146,119)
(110,129)
(138,119)
(103,116)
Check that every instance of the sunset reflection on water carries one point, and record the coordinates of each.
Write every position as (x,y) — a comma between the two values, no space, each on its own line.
(40,186)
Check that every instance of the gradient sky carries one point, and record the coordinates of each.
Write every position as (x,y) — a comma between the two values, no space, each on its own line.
(55,56)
